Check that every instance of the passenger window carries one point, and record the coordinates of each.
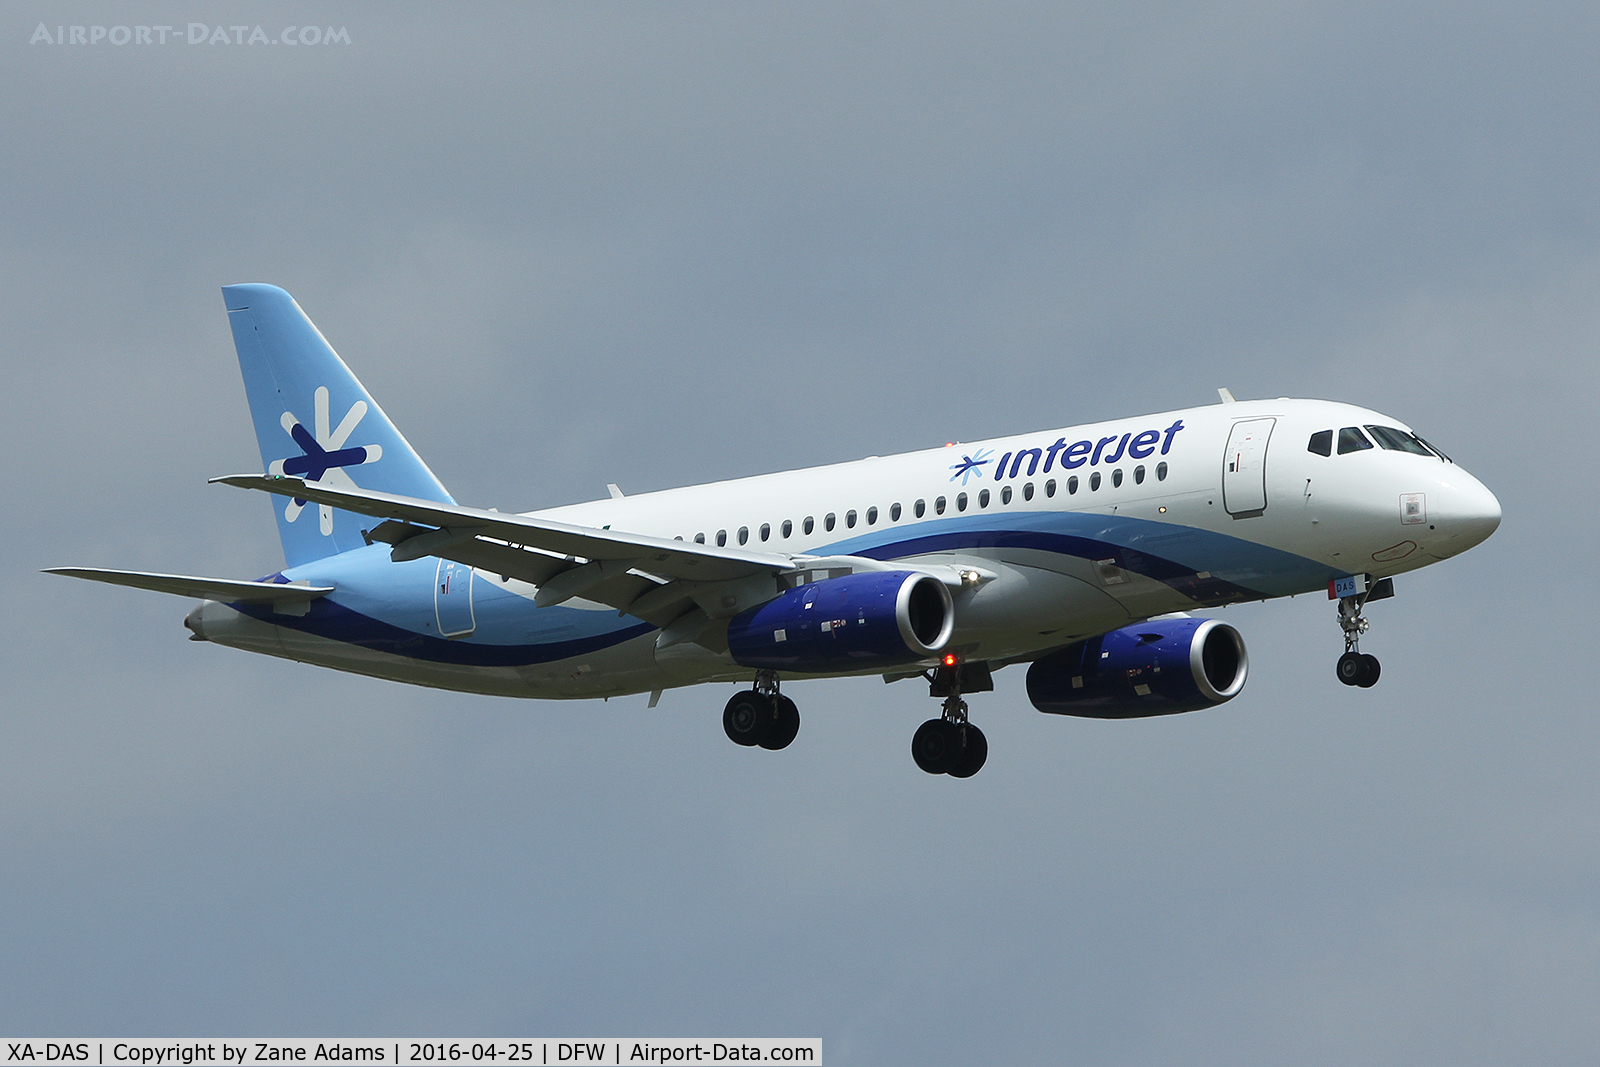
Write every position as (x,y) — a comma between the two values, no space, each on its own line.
(1072,485)
(1005,494)
(1050,487)
(872,516)
(1027,491)
(1397,440)
(961,502)
(1116,478)
(722,538)
(766,530)
(1321,443)
(938,505)
(850,519)
(920,508)
(786,529)
(1161,471)
(699,538)
(894,512)
(827,522)
(983,498)
(679,537)
(1138,475)
(744,534)
(1352,440)
(1094,481)
(809,525)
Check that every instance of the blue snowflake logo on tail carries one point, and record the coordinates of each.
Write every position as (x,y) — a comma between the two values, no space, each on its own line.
(970,465)
(323,455)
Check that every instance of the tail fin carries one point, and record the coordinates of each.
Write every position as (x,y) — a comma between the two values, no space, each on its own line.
(314,420)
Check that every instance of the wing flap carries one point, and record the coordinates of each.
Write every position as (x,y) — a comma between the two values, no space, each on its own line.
(494,557)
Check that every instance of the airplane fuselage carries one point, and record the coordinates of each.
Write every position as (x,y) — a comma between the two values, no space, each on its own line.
(1053,536)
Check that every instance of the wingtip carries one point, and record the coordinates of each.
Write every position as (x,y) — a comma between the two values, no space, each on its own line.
(247,481)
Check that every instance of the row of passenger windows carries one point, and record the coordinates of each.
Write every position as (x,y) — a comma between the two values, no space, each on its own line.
(940,505)
(1351,439)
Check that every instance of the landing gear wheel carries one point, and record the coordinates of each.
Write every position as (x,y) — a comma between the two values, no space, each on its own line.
(785,726)
(750,718)
(969,760)
(935,744)
(950,744)
(1356,668)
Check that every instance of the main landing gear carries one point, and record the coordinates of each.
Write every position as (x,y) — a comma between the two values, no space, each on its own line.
(950,744)
(761,716)
(1354,667)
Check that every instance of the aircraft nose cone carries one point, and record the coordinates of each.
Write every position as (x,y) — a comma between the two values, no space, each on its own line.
(1470,515)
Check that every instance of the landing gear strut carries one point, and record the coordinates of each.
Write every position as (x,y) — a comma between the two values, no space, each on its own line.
(1354,667)
(761,715)
(950,744)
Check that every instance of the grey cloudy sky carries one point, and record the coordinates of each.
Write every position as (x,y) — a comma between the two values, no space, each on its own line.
(654,244)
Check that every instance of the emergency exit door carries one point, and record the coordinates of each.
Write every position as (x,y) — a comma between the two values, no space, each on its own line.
(452,599)
(1244,468)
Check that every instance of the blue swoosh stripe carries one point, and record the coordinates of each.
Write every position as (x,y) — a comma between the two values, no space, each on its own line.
(338,623)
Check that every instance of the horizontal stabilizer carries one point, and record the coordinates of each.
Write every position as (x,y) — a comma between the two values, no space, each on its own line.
(223,589)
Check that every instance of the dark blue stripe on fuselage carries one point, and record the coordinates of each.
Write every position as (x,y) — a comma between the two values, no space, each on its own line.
(338,623)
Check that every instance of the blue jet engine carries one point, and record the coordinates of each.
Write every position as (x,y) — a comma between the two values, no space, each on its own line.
(863,621)
(1159,667)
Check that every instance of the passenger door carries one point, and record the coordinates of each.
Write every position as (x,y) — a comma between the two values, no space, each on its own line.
(1244,468)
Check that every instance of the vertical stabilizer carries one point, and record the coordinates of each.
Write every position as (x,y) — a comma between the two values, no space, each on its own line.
(314,420)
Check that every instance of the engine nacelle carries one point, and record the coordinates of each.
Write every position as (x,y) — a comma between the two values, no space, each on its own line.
(1159,667)
(854,622)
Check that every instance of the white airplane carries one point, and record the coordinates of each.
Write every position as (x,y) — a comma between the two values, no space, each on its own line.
(1076,551)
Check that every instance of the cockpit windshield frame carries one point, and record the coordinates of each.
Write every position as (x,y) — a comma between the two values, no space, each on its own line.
(1397,440)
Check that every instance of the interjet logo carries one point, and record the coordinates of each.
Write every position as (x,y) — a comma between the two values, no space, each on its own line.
(1108,450)
(971,465)
(323,455)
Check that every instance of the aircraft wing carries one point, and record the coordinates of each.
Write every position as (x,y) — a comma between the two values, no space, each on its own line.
(652,578)
(676,585)
(224,589)
(659,555)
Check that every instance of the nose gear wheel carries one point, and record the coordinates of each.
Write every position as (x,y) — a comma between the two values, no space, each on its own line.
(1355,667)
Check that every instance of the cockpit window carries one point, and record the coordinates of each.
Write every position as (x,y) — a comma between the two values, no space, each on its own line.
(1436,449)
(1351,439)
(1398,440)
(1321,443)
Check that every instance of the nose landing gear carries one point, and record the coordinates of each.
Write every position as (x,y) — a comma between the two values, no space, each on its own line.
(950,744)
(1355,667)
